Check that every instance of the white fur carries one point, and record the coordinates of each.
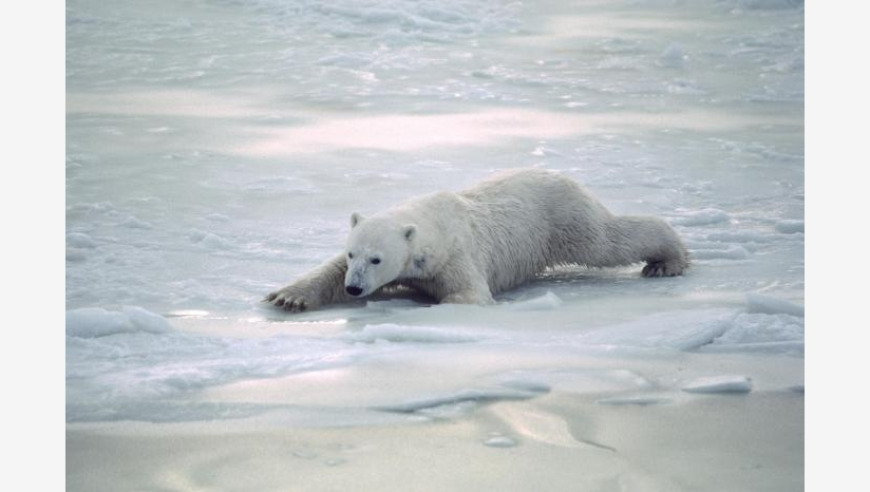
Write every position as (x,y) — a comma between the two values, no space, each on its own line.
(466,247)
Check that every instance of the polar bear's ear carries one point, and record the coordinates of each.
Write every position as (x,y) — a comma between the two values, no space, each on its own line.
(355,219)
(410,231)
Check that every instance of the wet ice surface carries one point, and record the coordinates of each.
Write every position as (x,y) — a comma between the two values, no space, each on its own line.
(216,150)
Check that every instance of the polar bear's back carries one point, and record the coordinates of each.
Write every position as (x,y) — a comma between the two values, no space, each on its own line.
(525,221)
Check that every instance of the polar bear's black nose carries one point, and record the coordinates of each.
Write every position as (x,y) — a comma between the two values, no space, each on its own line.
(353,290)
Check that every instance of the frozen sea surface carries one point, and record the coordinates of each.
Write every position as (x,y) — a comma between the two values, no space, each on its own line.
(215,151)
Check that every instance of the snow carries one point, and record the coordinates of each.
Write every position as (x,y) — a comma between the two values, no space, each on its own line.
(215,152)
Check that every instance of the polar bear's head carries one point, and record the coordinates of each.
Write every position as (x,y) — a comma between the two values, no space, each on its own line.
(378,249)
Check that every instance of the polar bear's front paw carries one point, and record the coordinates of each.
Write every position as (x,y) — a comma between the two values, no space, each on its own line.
(469,297)
(291,299)
(670,268)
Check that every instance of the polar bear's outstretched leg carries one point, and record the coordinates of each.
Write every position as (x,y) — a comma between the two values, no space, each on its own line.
(458,281)
(465,284)
(468,296)
(649,239)
(323,285)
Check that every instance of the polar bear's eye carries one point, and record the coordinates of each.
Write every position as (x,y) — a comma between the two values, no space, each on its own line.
(350,255)
(376,261)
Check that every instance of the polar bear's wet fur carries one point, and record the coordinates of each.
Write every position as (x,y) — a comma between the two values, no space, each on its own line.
(467,247)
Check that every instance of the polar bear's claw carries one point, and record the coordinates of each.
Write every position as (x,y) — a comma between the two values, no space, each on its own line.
(295,305)
(662,269)
(289,301)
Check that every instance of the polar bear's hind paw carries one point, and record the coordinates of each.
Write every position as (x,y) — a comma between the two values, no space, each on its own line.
(663,269)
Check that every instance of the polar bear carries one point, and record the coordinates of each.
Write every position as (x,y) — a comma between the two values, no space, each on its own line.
(468,246)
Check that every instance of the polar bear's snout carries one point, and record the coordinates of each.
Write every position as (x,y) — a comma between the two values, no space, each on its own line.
(354,284)
(357,282)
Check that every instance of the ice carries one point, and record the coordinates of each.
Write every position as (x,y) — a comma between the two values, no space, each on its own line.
(134,223)
(75,255)
(719,384)
(740,237)
(217,218)
(543,426)
(770,325)
(673,56)
(209,240)
(634,400)
(500,442)
(790,226)
(79,240)
(146,321)
(769,4)
(760,328)
(215,152)
(98,322)
(682,331)
(466,397)
(130,365)
(418,334)
(546,302)
(794,348)
(760,303)
(576,381)
(732,252)
(703,217)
